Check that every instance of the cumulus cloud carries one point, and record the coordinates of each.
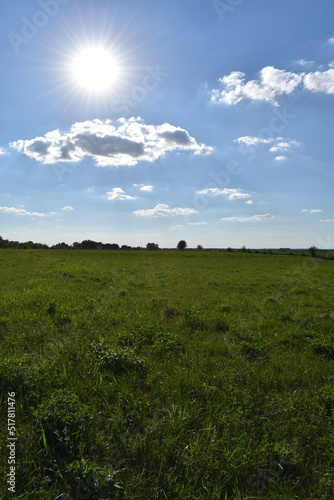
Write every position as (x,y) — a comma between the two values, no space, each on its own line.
(281,146)
(314,211)
(110,143)
(253,218)
(197,223)
(320,81)
(280,158)
(249,202)
(162,210)
(118,194)
(21,211)
(2,151)
(271,84)
(67,208)
(147,188)
(331,41)
(230,193)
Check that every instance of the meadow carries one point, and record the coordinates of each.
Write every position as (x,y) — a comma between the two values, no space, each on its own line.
(167,375)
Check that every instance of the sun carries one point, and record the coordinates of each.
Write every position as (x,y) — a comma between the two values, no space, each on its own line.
(95,69)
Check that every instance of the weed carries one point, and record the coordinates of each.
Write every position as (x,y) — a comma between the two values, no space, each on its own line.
(65,423)
(115,361)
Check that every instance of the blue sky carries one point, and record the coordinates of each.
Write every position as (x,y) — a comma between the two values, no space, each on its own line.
(214,122)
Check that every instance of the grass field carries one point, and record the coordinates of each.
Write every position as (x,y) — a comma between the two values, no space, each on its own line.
(167,375)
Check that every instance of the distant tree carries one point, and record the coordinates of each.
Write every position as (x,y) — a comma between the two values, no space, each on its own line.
(152,246)
(199,247)
(110,246)
(89,245)
(60,246)
(243,249)
(313,251)
(181,245)
(126,247)
(229,249)
(77,246)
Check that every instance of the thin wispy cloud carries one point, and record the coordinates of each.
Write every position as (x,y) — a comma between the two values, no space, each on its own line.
(302,62)
(313,211)
(162,210)
(117,193)
(229,193)
(272,144)
(272,83)
(22,211)
(253,218)
(110,143)
(68,208)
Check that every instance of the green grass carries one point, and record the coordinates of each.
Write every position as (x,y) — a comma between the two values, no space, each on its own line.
(168,375)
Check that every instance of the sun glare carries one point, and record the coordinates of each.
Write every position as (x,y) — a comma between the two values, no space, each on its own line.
(95,69)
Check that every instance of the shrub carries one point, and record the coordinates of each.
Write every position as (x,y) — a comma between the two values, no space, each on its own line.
(89,480)
(156,338)
(64,421)
(193,319)
(115,361)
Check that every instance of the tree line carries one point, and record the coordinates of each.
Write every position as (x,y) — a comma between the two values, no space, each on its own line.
(84,245)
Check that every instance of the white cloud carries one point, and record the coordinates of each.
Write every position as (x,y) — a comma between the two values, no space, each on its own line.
(147,188)
(197,223)
(281,146)
(253,218)
(327,220)
(20,211)
(118,194)
(162,210)
(331,41)
(272,83)
(90,189)
(249,202)
(320,81)
(302,62)
(272,144)
(3,151)
(67,208)
(313,211)
(110,143)
(252,141)
(230,193)
(280,158)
